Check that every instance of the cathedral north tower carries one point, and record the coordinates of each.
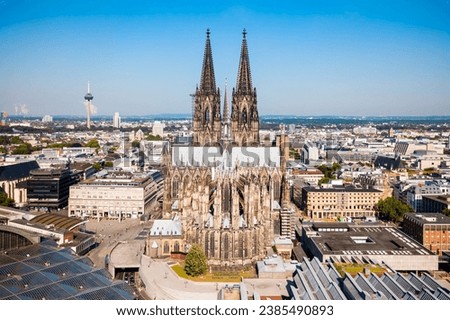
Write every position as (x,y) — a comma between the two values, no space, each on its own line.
(206,116)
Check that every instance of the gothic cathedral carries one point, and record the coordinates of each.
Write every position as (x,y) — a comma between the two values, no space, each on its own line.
(225,190)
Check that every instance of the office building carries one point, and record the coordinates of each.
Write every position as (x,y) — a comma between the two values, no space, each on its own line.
(381,244)
(432,230)
(48,189)
(115,195)
(158,129)
(331,203)
(116,120)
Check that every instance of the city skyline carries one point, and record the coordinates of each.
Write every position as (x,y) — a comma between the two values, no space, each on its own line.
(307,59)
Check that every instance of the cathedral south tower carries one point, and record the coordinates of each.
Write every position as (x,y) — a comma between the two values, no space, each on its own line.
(244,112)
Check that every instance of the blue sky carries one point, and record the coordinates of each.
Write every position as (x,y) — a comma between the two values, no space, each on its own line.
(364,58)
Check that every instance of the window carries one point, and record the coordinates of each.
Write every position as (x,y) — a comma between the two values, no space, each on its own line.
(175,186)
(166,247)
(362,240)
(244,116)
(207,118)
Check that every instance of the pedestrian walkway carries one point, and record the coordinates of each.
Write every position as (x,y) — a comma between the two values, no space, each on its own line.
(162,283)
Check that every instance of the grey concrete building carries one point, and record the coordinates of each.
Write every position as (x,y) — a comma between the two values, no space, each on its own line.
(380,243)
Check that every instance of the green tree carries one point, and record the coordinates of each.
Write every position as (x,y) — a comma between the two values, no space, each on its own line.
(324,180)
(393,209)
(294,154)
(4,140)
(97,166)
(151,137)
(135,144)
(446,212)
(335,167)
(16,140)
(93,143)
(329,172)
(5,200)
(112,149)
(24,148)
(108,164)
(195,263)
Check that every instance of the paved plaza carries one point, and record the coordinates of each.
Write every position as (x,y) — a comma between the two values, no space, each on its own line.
(161,282)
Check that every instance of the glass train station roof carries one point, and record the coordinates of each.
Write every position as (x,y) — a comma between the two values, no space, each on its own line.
(45,272)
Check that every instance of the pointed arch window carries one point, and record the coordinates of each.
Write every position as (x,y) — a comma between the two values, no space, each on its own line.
(240,250)
(226,247)
(226,198)
(211,244)
(186,183)
(244,116)
(207,117)
(253,113)
(207,252)
(175,187)
(166,247)
(276,189)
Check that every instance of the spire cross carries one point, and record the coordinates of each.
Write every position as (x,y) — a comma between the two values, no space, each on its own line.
(244,33)
(207,33)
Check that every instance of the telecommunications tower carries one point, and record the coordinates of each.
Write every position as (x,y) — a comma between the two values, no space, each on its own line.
(88,97)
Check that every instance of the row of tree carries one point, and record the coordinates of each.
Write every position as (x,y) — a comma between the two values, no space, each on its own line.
(17,146)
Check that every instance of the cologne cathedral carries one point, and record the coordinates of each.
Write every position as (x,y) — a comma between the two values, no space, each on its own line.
(225,189)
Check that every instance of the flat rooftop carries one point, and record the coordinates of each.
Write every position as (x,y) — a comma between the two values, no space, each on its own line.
(341,189)
(364,240)
(428,218)
(445,199)
(127,179)
(126,255)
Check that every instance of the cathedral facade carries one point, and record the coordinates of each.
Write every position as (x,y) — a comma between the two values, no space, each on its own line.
(225,190)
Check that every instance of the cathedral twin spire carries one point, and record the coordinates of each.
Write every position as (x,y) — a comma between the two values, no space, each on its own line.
(208,80)
(208,126)
(244,78)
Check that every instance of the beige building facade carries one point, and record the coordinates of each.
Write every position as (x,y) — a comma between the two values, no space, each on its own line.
(331,203)
(115,196)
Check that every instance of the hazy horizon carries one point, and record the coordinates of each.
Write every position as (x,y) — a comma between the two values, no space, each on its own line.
(307,58)
(189,115)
